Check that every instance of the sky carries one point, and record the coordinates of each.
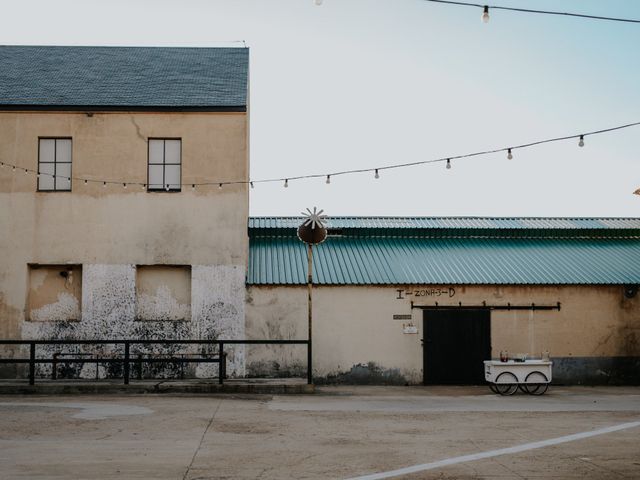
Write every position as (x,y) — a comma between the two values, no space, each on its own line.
(359,84)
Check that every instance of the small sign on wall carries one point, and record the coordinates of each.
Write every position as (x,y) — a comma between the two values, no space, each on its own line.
(402,316)
(409,329)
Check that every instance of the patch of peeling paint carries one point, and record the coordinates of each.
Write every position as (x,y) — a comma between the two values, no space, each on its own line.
(65,308)
(161,306)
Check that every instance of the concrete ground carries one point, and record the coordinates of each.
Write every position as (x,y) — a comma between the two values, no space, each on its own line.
(340,432)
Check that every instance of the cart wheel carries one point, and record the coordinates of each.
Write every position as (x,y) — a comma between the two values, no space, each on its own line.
(536,383)
(493,388)
(508,385)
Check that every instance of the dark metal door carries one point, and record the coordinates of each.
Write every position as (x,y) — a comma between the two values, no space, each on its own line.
(455,344)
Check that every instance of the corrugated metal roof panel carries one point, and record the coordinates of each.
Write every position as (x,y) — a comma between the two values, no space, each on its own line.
(516,223)
(381,260)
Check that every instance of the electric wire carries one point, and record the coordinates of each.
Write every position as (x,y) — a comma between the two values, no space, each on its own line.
(286,180)
(529,10)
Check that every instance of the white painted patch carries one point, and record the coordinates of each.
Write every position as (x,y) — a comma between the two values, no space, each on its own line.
(89,411)
(494,453)
(109,308)
(66,308)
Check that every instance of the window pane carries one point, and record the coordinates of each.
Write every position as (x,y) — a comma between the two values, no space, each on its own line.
(156,151)
(47,149)
(155,177)
(45,182)
(63,150)
(63,170)
(172,151)
(172,176)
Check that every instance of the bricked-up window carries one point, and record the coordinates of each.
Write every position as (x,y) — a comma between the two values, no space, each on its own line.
(165,163)
(54,164)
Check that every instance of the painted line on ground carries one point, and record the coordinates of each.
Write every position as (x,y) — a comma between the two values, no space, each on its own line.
(494,453)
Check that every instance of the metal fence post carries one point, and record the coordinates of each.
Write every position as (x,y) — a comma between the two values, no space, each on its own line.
(222,364)
(32,363)
(126,363)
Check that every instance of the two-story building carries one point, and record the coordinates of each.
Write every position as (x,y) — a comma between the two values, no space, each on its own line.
(107,227)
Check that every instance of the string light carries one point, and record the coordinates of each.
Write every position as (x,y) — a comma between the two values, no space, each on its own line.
(328,179)
(124,185)
(485,14)
(193,187)
(375,171)
(26,171)
(144,186)
(528,10)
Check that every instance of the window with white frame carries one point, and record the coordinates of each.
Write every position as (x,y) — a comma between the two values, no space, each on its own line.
(54,164)
(165,164)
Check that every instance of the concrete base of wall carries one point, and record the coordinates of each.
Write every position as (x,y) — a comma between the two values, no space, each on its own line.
(245,386)
(596,370)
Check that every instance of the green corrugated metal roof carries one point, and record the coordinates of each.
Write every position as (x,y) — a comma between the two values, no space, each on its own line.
(368,258)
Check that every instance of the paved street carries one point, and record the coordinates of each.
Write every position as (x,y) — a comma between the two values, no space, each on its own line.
(340,432)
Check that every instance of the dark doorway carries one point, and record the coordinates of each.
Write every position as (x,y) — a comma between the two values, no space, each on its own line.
(455,344)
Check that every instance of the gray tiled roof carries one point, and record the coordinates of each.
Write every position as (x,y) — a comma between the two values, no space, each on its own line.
(124,77)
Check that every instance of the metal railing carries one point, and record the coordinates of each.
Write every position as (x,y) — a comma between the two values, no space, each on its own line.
(125,358)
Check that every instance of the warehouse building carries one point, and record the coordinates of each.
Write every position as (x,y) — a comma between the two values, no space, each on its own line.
(426,300)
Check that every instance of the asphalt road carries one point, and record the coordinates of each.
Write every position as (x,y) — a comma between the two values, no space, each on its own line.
(340,432)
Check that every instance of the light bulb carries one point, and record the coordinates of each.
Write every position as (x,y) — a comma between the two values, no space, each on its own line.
(144,186)
(286,183)
(85,182)
(166,187)
(485,14)
(104,184)
(124,185)
(509,155)
(13,169)
(448,163)
(328,179)
(581,142)
(193,187)
(251,183)
(219,186)
(26,171)
(38,175)
(377,175)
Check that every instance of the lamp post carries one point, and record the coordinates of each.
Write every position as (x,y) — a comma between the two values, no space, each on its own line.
(312,232)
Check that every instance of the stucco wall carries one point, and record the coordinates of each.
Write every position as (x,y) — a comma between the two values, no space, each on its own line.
(357,339)
(110,230)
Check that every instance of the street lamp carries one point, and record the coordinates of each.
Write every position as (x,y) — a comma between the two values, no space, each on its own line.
(312,232)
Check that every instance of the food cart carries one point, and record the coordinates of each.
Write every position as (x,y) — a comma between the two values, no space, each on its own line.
(530,376)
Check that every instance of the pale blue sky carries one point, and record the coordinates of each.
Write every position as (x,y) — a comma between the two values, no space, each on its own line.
(366,83)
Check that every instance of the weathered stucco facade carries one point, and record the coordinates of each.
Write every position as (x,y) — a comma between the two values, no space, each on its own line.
(593,338)
(107,231)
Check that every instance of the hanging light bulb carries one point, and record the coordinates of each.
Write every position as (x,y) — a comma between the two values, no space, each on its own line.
(376,175)
(286,183)
(328,179)
(193,187)
(448,163)
(509,155)
(251,183)
(144,186)
(26,171)
(124,185)
(38,175)
(485,14)
(104,184)
(13,169)
(581,142)
(85,182)
(166,187)
(219,186)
